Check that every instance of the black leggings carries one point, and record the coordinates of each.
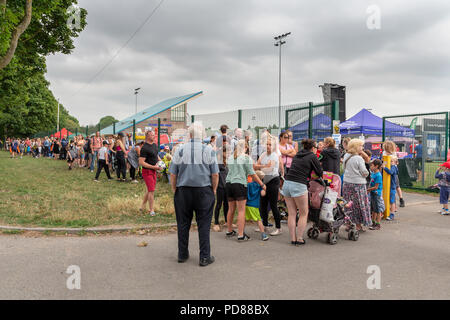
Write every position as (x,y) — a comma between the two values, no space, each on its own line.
(121,164)
(100,165)
(221,198)
(272,199)
(132,172)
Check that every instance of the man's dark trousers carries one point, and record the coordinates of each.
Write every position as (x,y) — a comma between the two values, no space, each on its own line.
(187,200)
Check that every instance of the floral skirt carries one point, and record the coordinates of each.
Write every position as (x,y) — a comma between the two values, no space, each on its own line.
(360,212)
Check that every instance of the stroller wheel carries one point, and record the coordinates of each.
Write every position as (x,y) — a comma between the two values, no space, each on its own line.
(315,233)
(309,233)
(332,238)
(353,235)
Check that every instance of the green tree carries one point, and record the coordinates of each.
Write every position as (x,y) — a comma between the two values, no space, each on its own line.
(27,105)
(107,121)
(37,28)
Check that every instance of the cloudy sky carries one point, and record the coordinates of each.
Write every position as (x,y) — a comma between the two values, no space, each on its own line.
(225,49)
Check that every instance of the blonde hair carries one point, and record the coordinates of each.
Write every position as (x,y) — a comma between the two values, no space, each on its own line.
(260,174)
(346,140)
(389,147)
(394,159)
(239,148)
(353,146)
(330,142)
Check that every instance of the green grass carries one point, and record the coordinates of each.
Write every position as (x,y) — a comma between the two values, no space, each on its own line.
(44,193)
(429,179)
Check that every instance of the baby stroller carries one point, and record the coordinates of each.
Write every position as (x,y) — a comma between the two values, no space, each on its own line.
(318,190)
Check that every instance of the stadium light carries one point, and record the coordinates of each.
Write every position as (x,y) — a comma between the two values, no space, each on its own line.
(136,91)
(279,42)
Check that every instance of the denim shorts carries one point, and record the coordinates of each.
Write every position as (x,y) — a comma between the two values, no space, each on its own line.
(376,203)
(444,194)
(293,189)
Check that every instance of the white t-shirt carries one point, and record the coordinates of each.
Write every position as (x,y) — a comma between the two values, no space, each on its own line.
(102,153)
(265,158)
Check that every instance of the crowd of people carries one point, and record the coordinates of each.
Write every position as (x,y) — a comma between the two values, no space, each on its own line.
(233,173)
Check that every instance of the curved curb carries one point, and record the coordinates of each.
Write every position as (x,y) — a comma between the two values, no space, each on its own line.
(87,230)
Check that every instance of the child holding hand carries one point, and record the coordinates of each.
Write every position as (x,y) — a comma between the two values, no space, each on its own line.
(444,186)
(393,172)
(254,193)
(376,194)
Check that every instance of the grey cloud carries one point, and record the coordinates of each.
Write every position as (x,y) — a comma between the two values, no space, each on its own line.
(225,48)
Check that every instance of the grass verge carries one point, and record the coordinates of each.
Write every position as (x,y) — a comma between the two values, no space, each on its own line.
(44,193)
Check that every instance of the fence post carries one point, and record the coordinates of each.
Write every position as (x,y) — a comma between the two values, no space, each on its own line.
(239,118)
(134,130)
(446,138)
(159,132)
(384,129)
(114,128)
(286,120)
(335,110)
(310,121)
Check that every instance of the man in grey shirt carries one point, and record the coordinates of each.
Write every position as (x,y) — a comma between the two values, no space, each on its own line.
(194,179)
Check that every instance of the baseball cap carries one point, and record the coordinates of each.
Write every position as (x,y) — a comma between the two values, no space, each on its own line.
(446,164)
(161,147)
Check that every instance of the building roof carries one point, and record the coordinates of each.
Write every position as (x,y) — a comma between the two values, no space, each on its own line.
(150,112)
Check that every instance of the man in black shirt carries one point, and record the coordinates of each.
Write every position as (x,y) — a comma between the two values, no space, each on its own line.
(148,159)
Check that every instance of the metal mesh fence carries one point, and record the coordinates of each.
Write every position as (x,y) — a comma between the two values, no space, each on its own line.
(422,141)
(256,119)
(213,121)
(252,119)
(312,121)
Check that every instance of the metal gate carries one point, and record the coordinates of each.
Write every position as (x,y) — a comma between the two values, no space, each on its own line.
(423,142)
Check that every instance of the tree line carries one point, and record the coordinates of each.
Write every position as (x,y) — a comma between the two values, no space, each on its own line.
(29,32)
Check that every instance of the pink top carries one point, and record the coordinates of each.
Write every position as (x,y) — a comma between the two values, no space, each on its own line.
(287,161)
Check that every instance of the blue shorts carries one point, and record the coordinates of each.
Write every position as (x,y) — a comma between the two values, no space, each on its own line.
(444,194)
(293,189)
(392,196)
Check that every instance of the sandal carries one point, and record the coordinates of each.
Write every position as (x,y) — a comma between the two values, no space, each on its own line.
(299,243)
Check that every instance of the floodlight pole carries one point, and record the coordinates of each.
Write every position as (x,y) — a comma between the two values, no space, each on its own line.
(279,42)
(136,91)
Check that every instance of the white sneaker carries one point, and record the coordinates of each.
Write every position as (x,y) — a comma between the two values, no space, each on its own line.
(152,213)
(134,181)
(276,232)
(445,213)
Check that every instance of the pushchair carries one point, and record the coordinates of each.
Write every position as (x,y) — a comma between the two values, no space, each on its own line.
(317,191)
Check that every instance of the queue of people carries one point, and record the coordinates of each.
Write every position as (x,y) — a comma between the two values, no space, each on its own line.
(234,174)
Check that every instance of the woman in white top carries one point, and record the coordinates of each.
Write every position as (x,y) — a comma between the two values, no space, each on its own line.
(269,163)
(354,186)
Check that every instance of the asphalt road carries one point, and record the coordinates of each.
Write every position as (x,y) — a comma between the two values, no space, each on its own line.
(413,254)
